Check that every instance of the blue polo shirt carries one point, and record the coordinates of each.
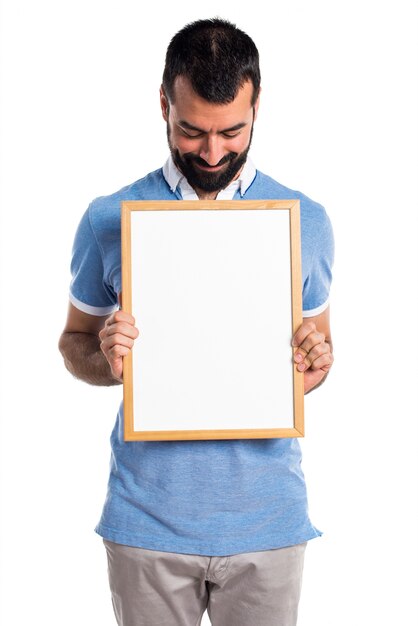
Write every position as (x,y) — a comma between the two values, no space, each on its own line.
(214,497)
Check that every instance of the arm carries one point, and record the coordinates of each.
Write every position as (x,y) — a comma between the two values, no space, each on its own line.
(314,350)
(93,347)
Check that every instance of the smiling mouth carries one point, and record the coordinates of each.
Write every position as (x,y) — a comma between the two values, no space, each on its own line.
(210,168)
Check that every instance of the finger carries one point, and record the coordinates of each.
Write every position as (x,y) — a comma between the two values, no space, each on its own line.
(120,316)
(322,362)
(118,339)
(302,333)
(312,340)
(121,328)
(321,351)
(311,350)
(117,352)
(315,344)
(115,359)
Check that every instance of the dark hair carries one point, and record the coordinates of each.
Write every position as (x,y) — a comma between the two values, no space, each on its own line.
(216,57)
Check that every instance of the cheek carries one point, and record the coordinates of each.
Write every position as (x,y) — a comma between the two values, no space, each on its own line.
(183,144)
(238,144)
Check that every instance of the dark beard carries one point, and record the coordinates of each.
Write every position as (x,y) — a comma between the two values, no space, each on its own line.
(209,181)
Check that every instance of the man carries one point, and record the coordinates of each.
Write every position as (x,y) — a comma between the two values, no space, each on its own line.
(218,524)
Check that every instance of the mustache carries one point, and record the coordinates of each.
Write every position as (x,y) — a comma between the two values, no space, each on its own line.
(192,158)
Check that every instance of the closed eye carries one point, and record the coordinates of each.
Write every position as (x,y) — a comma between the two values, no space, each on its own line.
(191,132)
(197,135)
(190,136)
(231,135)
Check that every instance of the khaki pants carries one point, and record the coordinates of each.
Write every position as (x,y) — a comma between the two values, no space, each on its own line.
(151,588)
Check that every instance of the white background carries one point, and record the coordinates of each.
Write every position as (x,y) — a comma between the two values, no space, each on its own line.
(80,118)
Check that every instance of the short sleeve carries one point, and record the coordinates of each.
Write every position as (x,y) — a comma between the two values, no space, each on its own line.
(317,284)
(89,291)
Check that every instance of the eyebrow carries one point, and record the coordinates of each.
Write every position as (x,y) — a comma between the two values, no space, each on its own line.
(185,124)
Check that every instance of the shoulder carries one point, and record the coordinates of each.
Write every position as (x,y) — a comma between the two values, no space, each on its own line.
(104,211)
(267,185)
(315,223)
(316,229)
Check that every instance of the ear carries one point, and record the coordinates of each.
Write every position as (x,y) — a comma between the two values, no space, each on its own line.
(256,105)
(165,107)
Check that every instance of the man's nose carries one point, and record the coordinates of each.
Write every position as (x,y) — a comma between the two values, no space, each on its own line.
(212,150)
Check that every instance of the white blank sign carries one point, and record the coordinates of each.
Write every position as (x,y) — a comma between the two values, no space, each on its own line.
(210,285)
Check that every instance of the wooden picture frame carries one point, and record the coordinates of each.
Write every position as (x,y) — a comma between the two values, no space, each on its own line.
(216,291)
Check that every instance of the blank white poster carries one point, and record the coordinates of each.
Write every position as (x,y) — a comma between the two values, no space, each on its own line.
(211,298)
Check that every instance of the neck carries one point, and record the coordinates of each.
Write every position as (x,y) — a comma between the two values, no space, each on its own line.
(206,195)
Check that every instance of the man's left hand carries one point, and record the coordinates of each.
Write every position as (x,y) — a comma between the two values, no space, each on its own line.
(313,354)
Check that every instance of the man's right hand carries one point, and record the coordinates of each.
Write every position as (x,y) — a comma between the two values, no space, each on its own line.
(117,338)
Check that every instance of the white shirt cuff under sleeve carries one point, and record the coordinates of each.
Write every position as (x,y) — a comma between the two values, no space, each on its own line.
(99,311)
(317,311)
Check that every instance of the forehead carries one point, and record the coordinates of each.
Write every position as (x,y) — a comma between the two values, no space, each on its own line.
(191,107)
